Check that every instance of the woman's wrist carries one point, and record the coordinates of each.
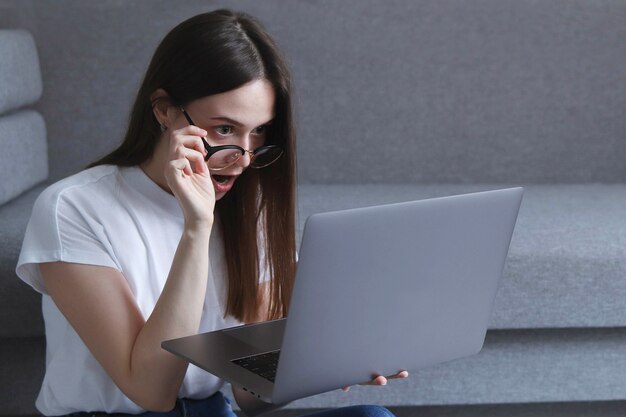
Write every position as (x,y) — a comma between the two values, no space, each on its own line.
(198,228)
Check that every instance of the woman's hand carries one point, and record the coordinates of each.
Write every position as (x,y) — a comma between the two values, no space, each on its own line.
(188,176)
(382,380)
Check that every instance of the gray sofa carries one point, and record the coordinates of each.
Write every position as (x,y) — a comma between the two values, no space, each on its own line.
(396,100)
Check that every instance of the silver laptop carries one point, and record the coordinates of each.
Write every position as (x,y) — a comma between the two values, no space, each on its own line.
(378,290)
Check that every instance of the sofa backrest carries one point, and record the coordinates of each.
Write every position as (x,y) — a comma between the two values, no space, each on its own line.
(23,147)
(400,91)
(447,91)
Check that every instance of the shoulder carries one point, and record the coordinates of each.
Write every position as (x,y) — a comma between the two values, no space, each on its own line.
(81,186)
(63,224)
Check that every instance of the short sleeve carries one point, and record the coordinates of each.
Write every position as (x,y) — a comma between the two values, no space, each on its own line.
(60,229)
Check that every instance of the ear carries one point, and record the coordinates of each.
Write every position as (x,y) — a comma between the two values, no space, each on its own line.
(160,103)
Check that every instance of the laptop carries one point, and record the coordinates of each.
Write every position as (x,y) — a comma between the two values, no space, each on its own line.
(378,290)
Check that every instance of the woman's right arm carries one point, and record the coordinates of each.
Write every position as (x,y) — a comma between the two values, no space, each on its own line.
(98,303)
(103,311)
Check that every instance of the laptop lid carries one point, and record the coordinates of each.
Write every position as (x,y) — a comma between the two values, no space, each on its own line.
(393,287)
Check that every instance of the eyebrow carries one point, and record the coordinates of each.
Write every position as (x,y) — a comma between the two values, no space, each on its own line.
(235,122)
(229,120)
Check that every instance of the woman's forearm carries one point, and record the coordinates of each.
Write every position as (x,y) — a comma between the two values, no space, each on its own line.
(155,374)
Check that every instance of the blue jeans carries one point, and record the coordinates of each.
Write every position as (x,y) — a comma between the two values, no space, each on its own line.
(219,406)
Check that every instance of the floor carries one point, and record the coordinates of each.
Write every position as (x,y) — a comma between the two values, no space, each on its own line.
(574,409)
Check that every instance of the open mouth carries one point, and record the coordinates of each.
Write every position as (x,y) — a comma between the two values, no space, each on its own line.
(221,179)
(223,183)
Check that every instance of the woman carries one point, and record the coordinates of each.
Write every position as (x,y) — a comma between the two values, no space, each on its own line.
(171,234)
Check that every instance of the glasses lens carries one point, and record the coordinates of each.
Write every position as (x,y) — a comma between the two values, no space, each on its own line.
(265,156)
(224,158)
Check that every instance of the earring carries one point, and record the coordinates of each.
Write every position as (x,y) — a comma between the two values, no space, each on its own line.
(163,127)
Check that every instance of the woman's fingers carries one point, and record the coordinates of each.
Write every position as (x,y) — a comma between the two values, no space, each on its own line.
(382,380)
(187,164)
(180,165)
(186,143)
(190,130)
(194,157)
(401,374)
(379,380)
(188,137)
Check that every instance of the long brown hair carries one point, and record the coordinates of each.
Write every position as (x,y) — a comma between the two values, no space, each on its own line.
(210,54)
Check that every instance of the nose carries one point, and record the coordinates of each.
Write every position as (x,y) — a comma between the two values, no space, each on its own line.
(245,159)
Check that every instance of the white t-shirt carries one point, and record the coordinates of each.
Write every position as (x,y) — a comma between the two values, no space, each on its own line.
(119,218)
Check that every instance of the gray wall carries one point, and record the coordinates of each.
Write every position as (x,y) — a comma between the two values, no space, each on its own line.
(388,91)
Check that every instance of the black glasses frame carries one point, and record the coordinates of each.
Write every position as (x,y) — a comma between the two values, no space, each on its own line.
(214,149)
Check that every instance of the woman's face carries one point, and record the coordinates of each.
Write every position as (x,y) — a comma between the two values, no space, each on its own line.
(236,117)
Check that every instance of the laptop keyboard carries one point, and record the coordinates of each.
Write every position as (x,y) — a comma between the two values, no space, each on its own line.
(263,364)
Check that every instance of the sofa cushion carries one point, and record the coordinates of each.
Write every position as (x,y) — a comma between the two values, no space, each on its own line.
(514,366)
(20,77)
(24,156)
(20,305)
(22,361)
(567,259)
(567,252)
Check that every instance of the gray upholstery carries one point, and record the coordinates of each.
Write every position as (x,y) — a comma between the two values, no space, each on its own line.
(395,100)
(24,156)
(482,91)
(568,249)
(20,314)
(487,91)
(20,78)
(559,258)
(528,365)
(23,164)
(22,364)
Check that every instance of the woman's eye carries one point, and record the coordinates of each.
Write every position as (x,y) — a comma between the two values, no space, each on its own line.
(260,130)
(224,130)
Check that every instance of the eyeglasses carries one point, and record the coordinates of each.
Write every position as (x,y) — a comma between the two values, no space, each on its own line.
(221,157)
